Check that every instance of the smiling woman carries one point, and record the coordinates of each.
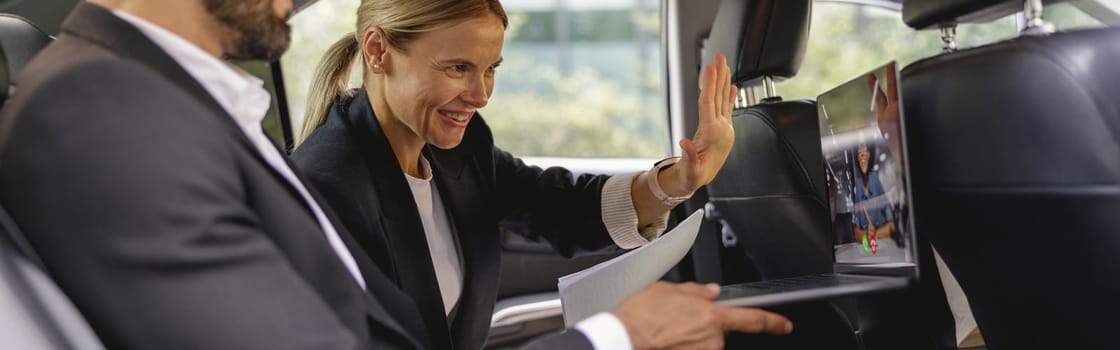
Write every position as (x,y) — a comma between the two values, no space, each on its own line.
(438,85)
(414,174)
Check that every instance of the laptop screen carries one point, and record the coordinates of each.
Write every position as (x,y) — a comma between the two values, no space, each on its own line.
(861,140)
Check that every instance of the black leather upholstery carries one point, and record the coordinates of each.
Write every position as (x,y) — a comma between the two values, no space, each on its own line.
(771,190)
(760,37)
(771,194)
(19,41)
(1014,152)
(923,14)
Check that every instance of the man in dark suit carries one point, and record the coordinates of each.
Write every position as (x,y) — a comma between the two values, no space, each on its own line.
(134,160)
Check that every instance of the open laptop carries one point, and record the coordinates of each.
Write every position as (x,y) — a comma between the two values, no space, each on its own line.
(861,129)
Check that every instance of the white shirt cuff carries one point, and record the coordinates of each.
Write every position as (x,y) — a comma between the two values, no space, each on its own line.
(605,331)
(620,217)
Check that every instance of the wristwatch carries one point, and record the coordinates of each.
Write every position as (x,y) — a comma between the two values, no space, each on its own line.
(651,179)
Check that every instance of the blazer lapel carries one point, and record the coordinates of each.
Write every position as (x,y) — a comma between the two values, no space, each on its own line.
(460,186)
(100,26)
(402,226)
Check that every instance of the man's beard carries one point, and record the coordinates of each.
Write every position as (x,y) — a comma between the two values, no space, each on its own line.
(257,33)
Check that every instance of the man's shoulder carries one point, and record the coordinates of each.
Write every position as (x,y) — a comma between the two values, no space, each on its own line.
(66,66)
(97,82)
(103,97)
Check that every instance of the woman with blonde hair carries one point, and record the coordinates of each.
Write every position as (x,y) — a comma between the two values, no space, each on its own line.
(412,170)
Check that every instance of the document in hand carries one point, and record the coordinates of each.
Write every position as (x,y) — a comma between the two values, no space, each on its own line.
(604,286)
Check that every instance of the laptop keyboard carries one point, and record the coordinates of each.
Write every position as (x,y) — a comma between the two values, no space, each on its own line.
(791,284)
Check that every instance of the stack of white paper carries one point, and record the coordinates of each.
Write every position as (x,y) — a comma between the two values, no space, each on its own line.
(605,286)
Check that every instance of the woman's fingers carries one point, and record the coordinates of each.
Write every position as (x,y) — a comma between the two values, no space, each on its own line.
(734,95)
(708,91)
(720,82)
(726,85)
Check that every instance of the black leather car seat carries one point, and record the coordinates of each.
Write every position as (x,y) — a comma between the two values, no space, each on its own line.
(1014,151)
(19,41)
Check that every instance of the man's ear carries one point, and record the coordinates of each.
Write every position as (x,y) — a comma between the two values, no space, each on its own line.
(375,50)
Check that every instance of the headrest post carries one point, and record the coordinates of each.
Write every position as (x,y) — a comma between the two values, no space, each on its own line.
(741,99)
(768,87)
(1032,10)
(949,38)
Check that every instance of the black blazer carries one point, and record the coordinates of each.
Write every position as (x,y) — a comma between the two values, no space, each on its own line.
(351,162)
(159,218)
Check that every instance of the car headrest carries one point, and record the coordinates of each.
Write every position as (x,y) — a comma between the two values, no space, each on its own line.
(19,41)
(760,37)
(922,14)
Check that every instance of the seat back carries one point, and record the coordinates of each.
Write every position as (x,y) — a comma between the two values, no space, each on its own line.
(22,324)
(37,315)
(1017,181)
(768,195)
(19,41)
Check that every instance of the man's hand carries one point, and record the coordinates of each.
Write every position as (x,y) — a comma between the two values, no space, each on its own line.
(683,316)
(705,153)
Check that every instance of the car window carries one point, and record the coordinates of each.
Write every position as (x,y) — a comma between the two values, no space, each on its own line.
(848,38)
(1067,16)
(579,78)
(314,30)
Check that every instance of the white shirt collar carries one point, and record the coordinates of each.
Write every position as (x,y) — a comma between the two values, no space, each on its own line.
(238,92)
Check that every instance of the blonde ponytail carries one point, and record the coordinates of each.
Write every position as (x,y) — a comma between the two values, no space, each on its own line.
(331,80)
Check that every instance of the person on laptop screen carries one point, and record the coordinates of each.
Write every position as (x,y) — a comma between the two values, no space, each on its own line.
(864,168)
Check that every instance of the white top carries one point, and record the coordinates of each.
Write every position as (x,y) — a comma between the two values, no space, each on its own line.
(441,243)
(245,99)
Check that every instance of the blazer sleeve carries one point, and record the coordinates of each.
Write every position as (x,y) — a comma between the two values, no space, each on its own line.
(563,208)
(568,340)
(142,220)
